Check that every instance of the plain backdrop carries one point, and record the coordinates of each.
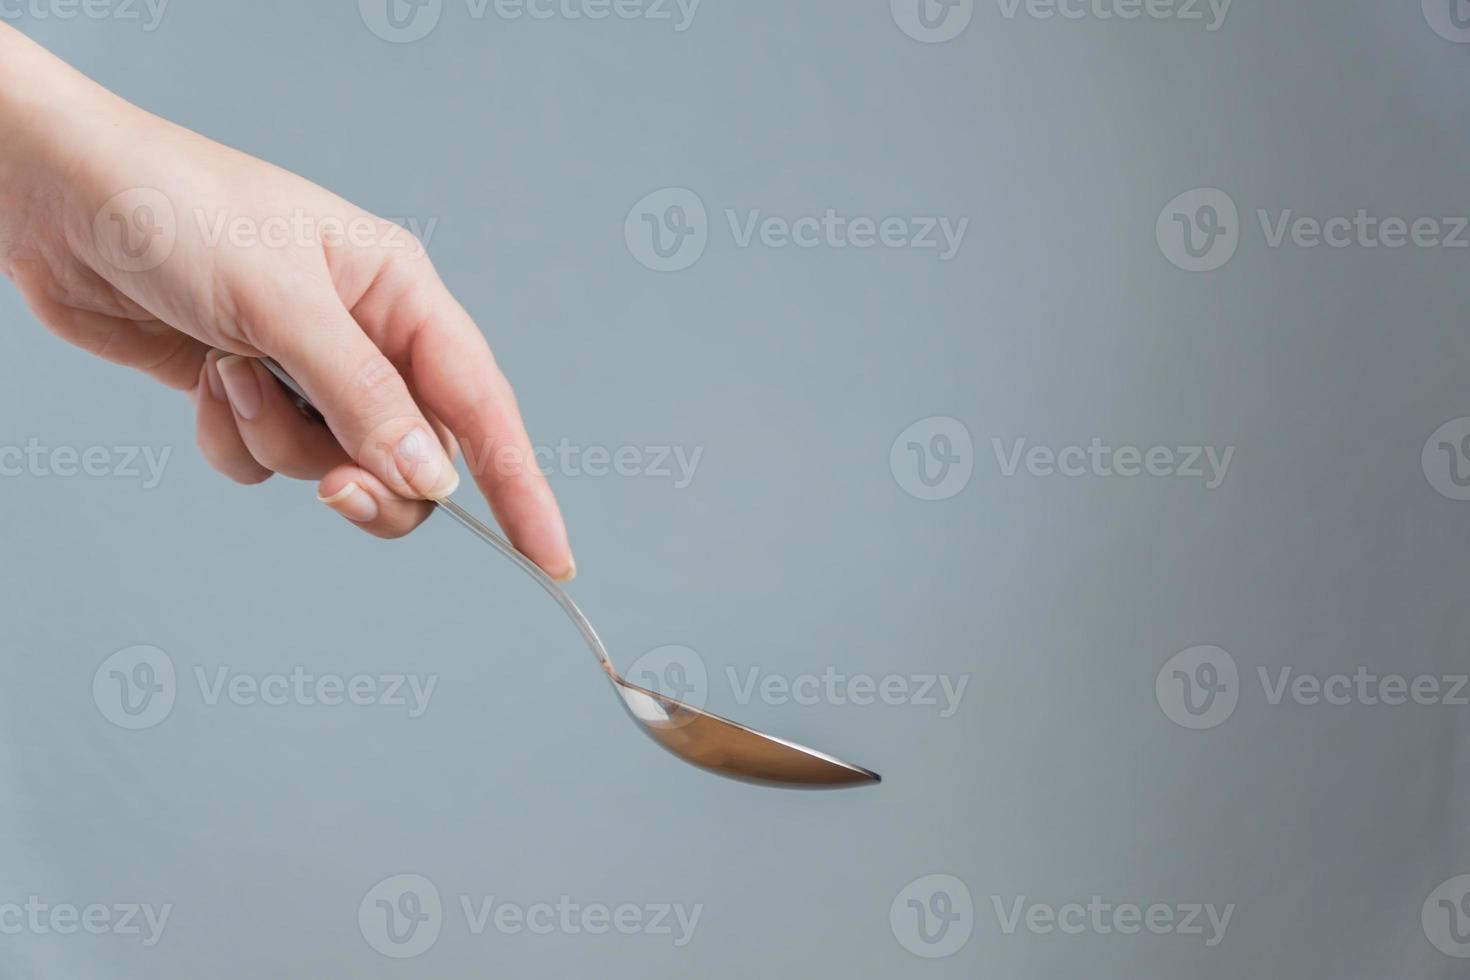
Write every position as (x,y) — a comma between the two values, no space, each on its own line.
(798,548)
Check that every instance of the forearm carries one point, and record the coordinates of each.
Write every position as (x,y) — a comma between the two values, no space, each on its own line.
(46,110)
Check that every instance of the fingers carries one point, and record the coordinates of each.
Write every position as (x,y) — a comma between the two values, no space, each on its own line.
(361,498)
(461,384)
(272,428)
(361,394)
(251,428)
(218,437)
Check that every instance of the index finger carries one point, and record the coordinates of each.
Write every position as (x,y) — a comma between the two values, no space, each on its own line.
(458,380)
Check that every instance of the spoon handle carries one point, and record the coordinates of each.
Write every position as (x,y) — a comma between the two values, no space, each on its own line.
(478,528)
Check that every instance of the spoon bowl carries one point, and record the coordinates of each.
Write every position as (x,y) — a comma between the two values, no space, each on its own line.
(730,749)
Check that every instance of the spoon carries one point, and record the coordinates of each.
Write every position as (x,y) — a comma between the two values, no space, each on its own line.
(693,734)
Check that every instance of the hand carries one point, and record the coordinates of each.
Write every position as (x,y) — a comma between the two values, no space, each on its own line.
(155,248)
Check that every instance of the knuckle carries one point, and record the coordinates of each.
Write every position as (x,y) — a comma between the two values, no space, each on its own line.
(375,383)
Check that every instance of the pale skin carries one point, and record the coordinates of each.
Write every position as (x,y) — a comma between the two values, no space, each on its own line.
(155,248)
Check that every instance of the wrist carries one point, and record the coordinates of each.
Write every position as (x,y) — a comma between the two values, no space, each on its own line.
(46,110)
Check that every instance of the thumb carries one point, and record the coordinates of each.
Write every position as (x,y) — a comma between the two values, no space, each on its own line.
(362,396)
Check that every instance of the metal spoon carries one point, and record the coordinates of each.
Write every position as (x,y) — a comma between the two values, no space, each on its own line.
(691,733)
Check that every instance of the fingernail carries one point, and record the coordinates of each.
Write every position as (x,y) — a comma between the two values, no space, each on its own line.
(242,385)
(211,376)
(424,466)
(353,503)
(570,573)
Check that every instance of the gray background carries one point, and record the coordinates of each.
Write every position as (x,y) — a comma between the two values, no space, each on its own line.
(795,548)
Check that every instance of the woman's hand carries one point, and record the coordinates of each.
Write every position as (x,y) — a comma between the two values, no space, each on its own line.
(155,248)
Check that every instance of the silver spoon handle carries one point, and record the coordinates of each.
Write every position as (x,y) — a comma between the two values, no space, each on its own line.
(484,532)
(490,537)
